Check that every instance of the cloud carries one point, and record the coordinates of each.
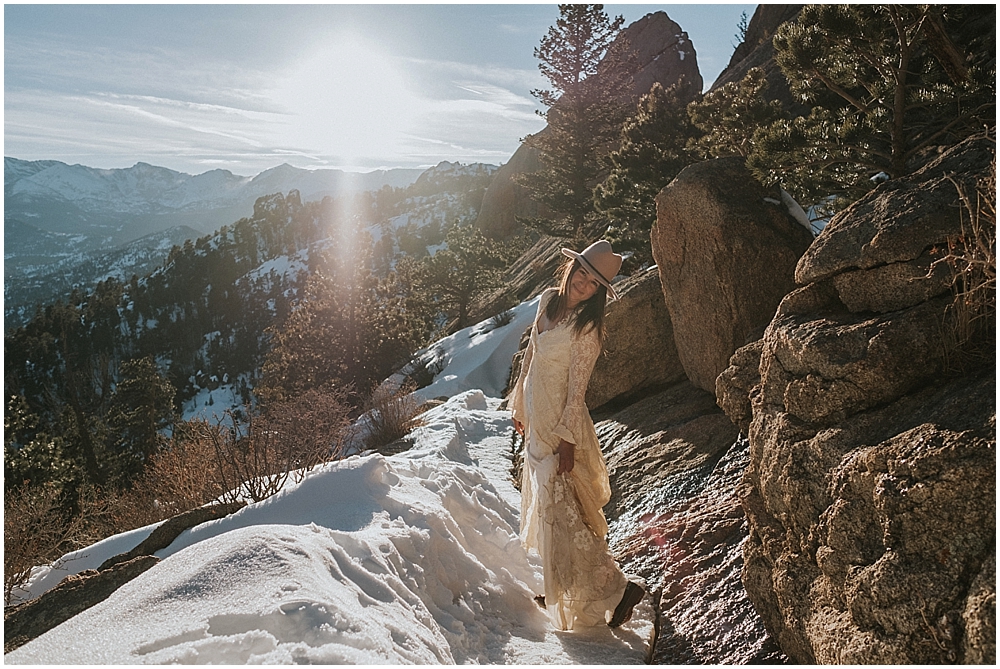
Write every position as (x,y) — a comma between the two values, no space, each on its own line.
(116,104)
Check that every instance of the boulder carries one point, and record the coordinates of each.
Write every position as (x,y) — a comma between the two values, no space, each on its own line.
(900,221)
(664,54)
(674,461)
(639,351)
(868,538)
(726,250)
(870,491)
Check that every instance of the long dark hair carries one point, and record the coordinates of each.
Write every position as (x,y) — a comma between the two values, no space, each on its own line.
(589,313)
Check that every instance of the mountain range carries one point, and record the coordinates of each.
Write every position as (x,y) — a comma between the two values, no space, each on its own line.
(69,226)
(114,206)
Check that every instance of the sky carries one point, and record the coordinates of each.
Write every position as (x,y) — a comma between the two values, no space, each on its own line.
(248,87)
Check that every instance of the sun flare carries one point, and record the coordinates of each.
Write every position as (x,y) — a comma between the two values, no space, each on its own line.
(349,99)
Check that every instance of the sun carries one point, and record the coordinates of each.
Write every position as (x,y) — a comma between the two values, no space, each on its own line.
(346,101)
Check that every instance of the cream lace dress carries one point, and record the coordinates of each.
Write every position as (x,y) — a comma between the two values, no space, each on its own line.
(561,514)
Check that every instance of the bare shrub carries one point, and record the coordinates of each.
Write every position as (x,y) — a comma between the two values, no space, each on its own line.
(971,257)
(178,478)
(313,427)
(185,475)
(392,413)
(36,531)
(255,457)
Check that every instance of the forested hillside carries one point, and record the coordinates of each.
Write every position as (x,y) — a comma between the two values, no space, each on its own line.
(84,375)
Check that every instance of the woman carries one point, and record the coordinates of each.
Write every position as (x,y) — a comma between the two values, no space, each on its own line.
(565,480)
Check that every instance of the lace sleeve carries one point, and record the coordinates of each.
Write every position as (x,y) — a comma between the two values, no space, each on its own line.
(584,350)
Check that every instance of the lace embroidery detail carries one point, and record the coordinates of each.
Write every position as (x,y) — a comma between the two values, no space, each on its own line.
(582,581)
(584,351)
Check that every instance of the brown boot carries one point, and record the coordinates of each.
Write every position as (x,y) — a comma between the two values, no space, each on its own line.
(623,612)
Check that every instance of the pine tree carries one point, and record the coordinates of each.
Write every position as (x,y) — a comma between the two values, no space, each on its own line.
(471,266)
(350,329)
(590,75)
(31,455)
(140,410)
(731,116)
(651,153)
(888,84)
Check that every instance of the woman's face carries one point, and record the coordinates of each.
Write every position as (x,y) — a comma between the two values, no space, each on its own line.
(582,286)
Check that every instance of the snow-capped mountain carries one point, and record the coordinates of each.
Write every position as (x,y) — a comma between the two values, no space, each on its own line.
(104,208)
(148,189)
(71,225)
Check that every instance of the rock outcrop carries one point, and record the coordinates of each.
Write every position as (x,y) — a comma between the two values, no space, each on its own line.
(664,54)
(639,352)
(74,594)
(871,487)
(757,50)
(675,462)
(726,250)
(166,532)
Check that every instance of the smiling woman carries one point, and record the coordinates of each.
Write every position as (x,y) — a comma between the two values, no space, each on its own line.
(349,100)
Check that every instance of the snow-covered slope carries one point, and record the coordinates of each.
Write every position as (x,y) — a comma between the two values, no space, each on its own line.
(477,357)
(412,558)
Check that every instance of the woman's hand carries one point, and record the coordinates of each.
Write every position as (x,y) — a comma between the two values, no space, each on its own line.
(567,452)
(518,427)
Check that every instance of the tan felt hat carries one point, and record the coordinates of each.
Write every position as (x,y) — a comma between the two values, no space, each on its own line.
(600,261)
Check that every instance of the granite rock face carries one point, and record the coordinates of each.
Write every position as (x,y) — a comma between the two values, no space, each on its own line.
(871,486)
(757,50)
(901,221)
(675,461)
(639,351)
(664,54)
(726,249)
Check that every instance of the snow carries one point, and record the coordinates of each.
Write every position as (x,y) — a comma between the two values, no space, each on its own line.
(211,404)
(796,211)
(476,357)
(410,558)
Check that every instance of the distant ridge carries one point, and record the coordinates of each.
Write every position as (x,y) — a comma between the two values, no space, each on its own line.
(57,197)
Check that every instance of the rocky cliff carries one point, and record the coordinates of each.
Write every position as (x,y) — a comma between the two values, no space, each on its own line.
(757,50)
(664,54)
(871,486)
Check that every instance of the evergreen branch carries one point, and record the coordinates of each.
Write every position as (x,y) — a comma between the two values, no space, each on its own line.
(834,87)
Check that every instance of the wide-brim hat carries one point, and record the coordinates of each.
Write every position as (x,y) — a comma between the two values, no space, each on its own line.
(600,261)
